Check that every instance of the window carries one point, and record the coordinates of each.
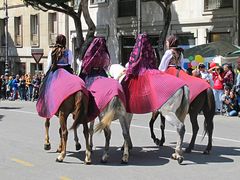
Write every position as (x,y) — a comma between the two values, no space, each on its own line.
(127,8)
(34,69)
(2,32)
(18,30)
(34,30)
(217,4)
(220,36)
(97,1)
(52,27)
(186,40)
(128,43)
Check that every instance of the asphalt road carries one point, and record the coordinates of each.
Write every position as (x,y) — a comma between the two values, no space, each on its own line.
(22,156)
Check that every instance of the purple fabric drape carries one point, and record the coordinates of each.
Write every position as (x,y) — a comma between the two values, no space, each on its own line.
(96,56)
(142,57)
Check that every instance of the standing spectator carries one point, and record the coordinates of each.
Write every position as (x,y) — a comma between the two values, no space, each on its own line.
(29,86)
(217,74)
(15,87)
(228,76)
(205,74)
(36,84)
(9,87)
(4,87)
(22,88)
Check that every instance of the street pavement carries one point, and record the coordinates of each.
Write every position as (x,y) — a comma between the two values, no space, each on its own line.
(22,156)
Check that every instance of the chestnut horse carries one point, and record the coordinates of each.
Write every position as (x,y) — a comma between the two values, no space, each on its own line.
(77,104)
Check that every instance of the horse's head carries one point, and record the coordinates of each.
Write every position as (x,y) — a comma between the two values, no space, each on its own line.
(117,71)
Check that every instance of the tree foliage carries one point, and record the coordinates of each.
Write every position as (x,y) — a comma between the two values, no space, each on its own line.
(72,9)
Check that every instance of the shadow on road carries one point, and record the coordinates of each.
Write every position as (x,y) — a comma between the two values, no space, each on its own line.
(1,116)
(139,156)
(217,155)
(10,108)
(154,156)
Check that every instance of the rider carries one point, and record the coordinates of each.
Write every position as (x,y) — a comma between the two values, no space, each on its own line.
(60,56)
(173,56)
(96,60)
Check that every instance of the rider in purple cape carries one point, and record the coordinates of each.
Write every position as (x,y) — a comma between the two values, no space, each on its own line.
(145,87)
(59,82)
(96,61)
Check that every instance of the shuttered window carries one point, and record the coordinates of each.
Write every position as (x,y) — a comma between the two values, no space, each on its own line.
(126,8)
(217,4)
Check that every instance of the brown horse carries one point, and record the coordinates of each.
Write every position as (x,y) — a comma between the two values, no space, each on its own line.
(77,104)
(203,102)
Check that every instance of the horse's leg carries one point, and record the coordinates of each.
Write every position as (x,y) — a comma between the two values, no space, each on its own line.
(171,117)
(195,128)
(47,145)
(63,125)
(91,131)
(88,149)
(76,139)
(124,121)
(151,123)
(59,149)
(162,127)
(105,156)
(209,129)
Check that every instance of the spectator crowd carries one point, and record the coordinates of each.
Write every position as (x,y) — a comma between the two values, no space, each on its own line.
(24,87)
(225,82)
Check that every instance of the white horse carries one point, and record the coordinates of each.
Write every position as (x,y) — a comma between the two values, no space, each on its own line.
(113,111)
(174,110)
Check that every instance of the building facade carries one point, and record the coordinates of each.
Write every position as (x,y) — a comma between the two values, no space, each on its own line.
(119,21)
(195,22)
(28,29)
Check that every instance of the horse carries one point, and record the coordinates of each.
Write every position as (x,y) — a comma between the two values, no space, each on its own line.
(114,110)
(203,102)
(76,104)
(174,110)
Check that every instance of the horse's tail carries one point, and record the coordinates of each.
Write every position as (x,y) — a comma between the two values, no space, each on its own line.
(113,106)
(80,112)
(209,112)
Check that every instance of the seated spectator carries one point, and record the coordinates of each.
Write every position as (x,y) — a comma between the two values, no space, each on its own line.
(230,102)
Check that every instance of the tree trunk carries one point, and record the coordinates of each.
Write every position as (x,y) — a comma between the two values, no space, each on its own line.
(87,17)
(167,15)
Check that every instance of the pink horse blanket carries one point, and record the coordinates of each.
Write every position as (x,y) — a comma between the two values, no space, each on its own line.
(102,90)
(195,85)
(148,91)
(57,87)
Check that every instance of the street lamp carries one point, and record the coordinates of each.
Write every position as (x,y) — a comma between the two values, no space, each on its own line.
(6,37)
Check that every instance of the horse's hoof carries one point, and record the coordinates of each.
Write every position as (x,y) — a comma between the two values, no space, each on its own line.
(188,150)
(47,147)
(206,152)
(157,142)
(162,142)
(58,160)
(103,161)
(78,147)
(124,162)
(180,160)
(87,162)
